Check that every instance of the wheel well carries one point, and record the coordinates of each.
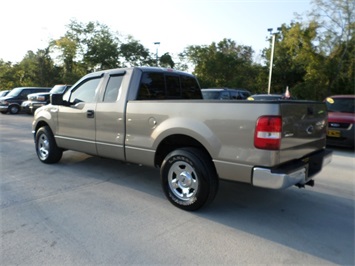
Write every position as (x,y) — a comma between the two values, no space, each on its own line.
(174,142)
(40,124)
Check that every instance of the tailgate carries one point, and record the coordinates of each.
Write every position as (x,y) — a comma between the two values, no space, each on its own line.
(304,125)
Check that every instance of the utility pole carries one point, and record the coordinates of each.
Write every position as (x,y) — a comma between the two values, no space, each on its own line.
(272,55)
(156,54)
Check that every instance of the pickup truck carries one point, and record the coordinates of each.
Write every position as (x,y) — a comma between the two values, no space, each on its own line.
(36,100)
(157,117)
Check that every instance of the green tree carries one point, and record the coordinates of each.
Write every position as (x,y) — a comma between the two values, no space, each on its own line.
(336,37)
(85,48)
(166,61)
(316,58)
(101,47)
(134,53)
(8,78)
(223,64)
(294,55)
(66,50)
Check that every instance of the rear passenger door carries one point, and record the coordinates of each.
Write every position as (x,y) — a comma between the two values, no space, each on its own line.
(110,122)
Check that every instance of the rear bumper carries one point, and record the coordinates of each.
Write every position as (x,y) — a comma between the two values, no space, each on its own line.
(293,173)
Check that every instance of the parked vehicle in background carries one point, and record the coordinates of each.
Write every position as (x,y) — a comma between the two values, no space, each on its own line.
(157,117)
(269,97)
(225,94)
(39,99)
(4,93)
(341,120)
(265,97)
(12,102)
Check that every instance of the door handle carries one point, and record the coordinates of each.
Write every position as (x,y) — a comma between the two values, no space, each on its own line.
(90,113)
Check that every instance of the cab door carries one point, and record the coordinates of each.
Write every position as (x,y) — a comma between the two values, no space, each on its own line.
(110,122)
(76,121)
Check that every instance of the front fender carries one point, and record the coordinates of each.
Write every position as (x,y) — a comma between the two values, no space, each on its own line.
(46,115)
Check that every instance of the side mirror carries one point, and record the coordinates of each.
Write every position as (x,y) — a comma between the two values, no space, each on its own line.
(57,99)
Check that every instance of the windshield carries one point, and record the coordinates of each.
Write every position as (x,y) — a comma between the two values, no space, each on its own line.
(58,89)
(14,92)
(3,93)
(343,105)
(210,95)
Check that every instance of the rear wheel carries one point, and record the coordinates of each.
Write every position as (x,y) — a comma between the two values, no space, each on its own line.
(189,179)
(46,147)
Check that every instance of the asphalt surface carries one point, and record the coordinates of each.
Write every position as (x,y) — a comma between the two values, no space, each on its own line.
(93,211)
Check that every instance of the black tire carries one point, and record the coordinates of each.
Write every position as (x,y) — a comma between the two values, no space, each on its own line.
(46,147)
(14,109)
(4,112)
(189,179)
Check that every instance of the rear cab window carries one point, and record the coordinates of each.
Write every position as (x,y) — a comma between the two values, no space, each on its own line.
(155,86)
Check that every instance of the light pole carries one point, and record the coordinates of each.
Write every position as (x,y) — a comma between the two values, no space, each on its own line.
(272,55)
(156,54)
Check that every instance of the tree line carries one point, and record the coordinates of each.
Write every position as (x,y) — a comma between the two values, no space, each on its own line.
(314,58)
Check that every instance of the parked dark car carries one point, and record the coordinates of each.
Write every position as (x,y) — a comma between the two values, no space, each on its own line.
(12,102)
(341,120)
(4,93)
(37,100)
(225,94)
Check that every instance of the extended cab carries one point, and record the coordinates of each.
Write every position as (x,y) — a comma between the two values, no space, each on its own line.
(157,117)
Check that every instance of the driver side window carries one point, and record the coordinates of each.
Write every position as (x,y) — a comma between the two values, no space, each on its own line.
(85,92)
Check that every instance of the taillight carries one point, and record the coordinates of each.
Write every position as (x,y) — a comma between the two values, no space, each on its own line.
(268,133)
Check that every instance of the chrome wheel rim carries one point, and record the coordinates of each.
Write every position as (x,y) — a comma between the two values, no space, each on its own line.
(183,181)
(14,109)
(43,147)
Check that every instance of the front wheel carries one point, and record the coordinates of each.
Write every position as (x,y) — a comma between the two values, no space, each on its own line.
(46,147)
(14,109)
(189,179)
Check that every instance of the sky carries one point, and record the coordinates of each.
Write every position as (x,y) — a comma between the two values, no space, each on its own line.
(31,24)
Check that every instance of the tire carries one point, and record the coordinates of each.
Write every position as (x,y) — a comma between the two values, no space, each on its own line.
(14,109)
(46,147)
(189,179)
(4,112)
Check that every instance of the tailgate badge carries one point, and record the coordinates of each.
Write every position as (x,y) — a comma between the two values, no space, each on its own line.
(310,130)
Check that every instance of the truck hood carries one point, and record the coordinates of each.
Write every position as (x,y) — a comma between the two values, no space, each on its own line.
(6,98)
(39,93)
(35,96)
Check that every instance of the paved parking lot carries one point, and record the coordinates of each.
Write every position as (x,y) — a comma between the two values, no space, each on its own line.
(90,211)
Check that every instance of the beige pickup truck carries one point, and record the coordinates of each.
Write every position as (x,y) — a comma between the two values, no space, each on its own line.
(157,117)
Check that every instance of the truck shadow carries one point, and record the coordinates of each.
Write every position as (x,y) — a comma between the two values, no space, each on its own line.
(307,220)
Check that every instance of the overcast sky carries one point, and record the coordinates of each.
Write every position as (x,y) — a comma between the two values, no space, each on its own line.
(31,24)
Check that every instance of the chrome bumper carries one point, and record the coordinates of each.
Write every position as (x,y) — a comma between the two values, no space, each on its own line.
(4,108)
(266,178)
